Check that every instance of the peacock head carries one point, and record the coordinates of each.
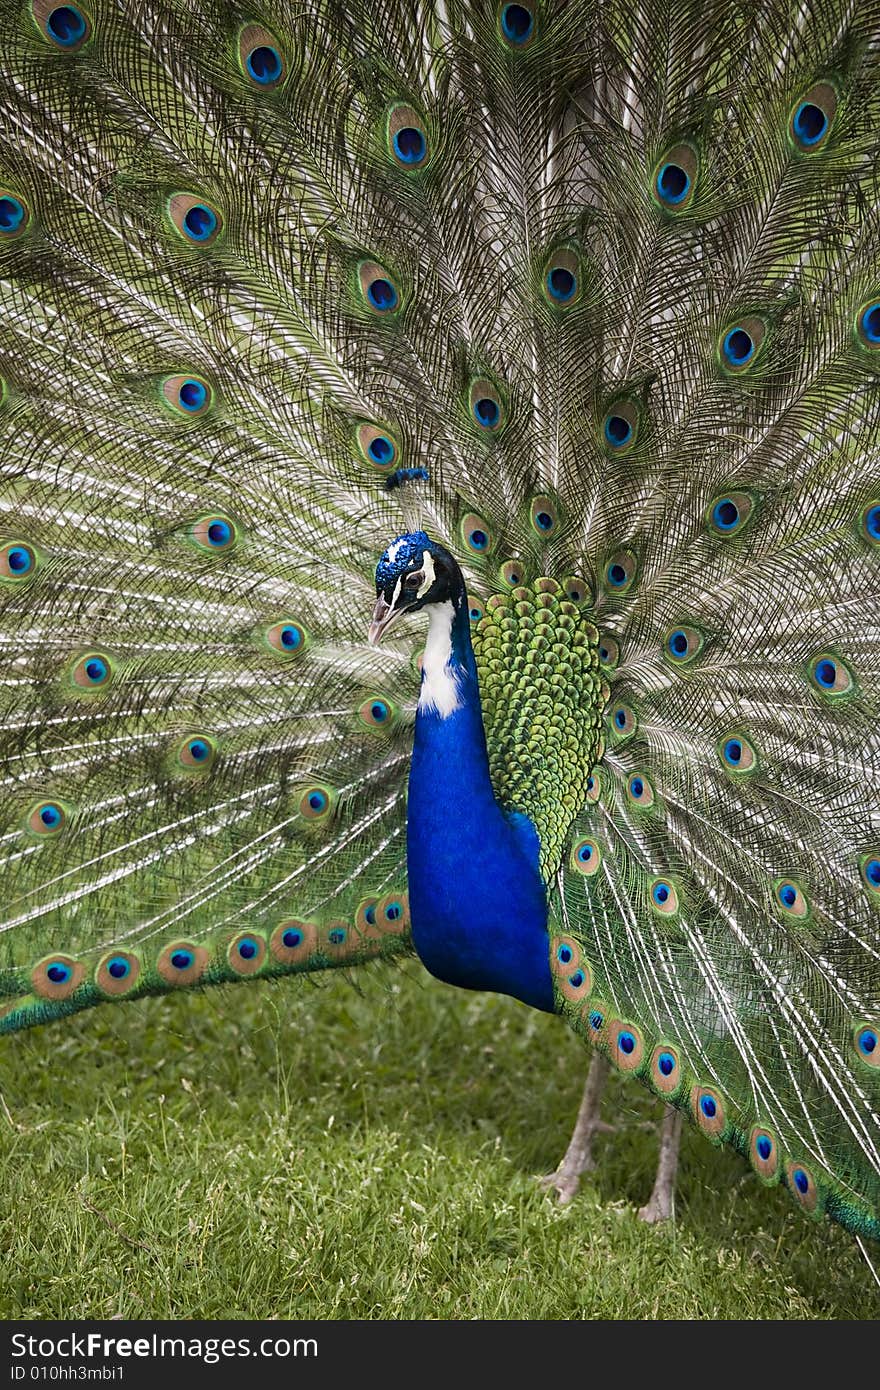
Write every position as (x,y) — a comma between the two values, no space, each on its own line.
(413,572)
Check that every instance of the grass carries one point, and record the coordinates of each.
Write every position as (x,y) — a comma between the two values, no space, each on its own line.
(291,1151)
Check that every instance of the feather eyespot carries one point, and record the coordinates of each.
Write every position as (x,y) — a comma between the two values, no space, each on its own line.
(620,427)
(117,973)
(870,523)
(261,57)
(802,1185)
(68,27)
(664,898)
(182,963)
(729,513)
(830,675)
(188,396)
(741,344)
(576,590)
(544,516)
(609,651)
(378,288)
(316,803)
(789,898)
(640,791)
(14,215)
(407,137)
(57,977)
(561,281)
(619,572)
(486,405)
(708,1110)
(195,219)
(377,712)
(683,644)
(512,573)
(293,941)
(665,1069)
(47,819)
(93,671)
(246,953)
(675,178)
(392,914)
(764,1153)
(866,1040)
(811,118)
(476,534)
(517,24)
(869,867)
(197,753)
(18,561)
(289,638)
(594,785)
(586,857)
(623,721)
(378,447)
(215,533)
(737,753)
(626,1044)
(476,611)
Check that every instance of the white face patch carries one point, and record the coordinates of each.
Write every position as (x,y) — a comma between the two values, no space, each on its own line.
(441,691)
(428,566)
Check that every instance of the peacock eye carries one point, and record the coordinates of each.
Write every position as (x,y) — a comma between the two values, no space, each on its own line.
(413,580)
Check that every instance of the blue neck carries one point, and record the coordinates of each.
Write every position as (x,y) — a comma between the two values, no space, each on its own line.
(478,904)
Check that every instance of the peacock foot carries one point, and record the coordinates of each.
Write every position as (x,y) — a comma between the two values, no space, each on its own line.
(661,1203)
(578,1157)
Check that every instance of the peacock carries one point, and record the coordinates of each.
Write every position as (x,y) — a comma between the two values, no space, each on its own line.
(440,511)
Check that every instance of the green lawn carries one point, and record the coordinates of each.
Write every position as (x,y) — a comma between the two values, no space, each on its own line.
(298,1151)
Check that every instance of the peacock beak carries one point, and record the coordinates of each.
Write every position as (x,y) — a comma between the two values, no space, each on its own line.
(383,616)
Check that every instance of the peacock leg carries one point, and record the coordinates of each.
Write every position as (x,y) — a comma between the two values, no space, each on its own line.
(578,1157)
(662,1199)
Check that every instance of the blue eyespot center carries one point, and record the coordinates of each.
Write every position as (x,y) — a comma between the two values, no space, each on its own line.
(708,1107)
(291,937)
(198,749)
(516,23)
(872,521)
(585,854)
(543,520)
(118,967)
(636,787)
(317,801)
(738,347)
(679,644)
(487,412)
(478,539)
(11,213)
(801,1181)
(577,979)
(725,514)
(379,711)
(58,972)
(393,912)
(219,532)
(248,948)
(764,1147)
(381,450)
(672,183)
(192,395)
(868,1041)
(661,893)
(51,816)
(788,895)
(620,718)
(291,638)
(872,872)
(475,615)
(733,751)
(596,1020)
(66,25)
(200,222)
(618,431)
(826,672)
(564,954)
(19,559)
(561,283)
(410,145)
(337,936)
(810,123)
(666,1063)
(264,64)
(182,960)
(616,574)
(382,294)
(96,669)
(627,1043)
(871,323)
